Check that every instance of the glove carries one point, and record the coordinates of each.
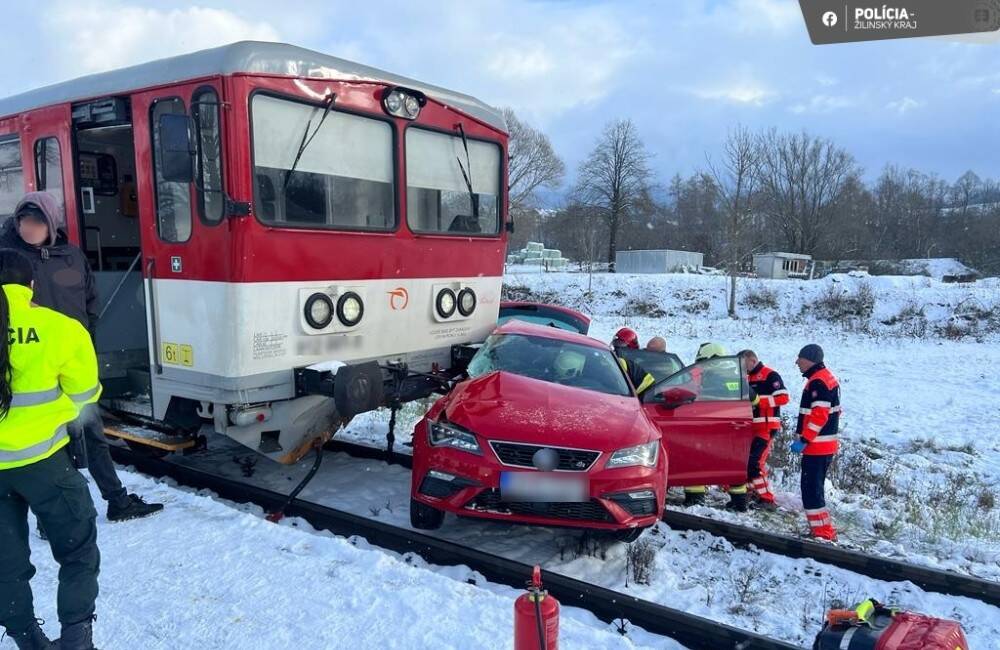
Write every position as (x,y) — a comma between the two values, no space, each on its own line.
(798,446)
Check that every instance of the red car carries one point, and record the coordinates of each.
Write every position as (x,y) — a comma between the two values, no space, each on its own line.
(547,430)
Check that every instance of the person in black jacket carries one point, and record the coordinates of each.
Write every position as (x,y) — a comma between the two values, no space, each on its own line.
(65,283)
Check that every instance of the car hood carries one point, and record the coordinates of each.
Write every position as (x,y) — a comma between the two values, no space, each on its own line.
(505,406)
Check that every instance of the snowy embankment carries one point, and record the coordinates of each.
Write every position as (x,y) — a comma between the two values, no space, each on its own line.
(207,573)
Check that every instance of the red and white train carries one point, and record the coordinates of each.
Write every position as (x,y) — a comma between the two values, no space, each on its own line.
(267,224)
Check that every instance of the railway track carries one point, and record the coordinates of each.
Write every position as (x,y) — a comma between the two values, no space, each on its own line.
(692,631)
(879,568)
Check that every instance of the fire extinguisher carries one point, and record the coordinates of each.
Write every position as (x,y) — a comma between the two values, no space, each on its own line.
(536,617)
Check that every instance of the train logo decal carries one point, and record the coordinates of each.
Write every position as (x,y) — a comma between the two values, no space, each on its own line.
(399,298)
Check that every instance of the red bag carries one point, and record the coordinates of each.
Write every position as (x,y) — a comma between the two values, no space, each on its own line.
(910,631)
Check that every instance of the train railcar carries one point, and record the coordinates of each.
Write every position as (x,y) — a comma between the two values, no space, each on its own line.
(277,235)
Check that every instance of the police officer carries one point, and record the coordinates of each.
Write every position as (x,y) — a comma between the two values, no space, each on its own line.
(624,340)
(48,372)
(817,428)
(65,283)
(772,395)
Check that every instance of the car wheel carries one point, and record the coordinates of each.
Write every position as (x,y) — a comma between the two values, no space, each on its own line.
(627,535)
(424,517)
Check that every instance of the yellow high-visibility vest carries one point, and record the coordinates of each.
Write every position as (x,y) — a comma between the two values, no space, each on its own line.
(53,375)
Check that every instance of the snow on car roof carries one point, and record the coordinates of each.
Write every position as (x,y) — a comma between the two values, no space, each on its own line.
(248,57)
(542,331)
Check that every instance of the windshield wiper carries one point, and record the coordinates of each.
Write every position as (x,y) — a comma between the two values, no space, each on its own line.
(306,138)
(467,174)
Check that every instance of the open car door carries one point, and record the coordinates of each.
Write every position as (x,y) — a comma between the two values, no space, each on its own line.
(704,414)
(550,315)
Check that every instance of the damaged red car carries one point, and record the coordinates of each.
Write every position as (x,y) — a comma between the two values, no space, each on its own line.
(547,430)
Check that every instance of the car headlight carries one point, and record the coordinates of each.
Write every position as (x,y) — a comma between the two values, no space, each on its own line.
(319,310)
(466,302)
(445,303)
(350,309)
(638,456)
(446,435)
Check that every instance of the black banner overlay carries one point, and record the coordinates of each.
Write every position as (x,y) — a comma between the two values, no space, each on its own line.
(849,21)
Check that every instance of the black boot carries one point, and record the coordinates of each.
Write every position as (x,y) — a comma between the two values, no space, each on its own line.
(132,507)
(737,502)
(32,639)
(78,636)
(694,499)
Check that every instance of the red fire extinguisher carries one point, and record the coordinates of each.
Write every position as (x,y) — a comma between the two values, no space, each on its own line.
(536,617)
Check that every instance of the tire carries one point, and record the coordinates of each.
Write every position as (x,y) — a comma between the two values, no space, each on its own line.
(424,517)
(627,535)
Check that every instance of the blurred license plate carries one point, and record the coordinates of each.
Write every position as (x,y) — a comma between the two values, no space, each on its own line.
(543,486)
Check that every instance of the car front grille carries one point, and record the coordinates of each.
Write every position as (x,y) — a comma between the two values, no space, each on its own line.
(521,455)
(584,511)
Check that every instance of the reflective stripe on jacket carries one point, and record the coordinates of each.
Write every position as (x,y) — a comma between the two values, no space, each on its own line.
(773,395)
(53,375)
(641,380)
(819,412)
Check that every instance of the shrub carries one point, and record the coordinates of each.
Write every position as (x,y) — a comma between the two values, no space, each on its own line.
(760,297)
(640,559)
(846,305)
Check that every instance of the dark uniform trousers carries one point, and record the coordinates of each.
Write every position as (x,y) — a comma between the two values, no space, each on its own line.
(99,462)
(57,493)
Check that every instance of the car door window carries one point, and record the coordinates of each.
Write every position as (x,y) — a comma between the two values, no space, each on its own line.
(716,379)
(659,364)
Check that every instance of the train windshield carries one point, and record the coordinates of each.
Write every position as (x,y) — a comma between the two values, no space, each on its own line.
(343,179)
(452,183)
(559,362)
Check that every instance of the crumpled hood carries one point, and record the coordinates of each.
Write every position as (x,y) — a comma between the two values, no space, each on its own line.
(505,406)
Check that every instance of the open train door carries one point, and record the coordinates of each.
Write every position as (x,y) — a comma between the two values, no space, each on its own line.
(704,414)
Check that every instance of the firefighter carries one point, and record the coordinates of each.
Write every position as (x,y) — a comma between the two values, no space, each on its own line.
(48,372)
(624,340)
(65,283)
(772,395)
(818,424)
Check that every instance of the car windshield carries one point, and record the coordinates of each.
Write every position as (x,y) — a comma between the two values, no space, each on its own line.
(559,362)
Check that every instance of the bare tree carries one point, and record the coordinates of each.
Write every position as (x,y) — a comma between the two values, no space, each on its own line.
(736,178)
(532,162)
(802,177)
(615,178)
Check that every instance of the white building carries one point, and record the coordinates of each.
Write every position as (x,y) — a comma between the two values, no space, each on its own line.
(779,266)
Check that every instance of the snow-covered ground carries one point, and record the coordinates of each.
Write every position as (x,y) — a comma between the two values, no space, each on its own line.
(207,574)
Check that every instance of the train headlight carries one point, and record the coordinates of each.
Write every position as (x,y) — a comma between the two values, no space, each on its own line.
(445,303)
(403,102)
(318,310)
(466,301)
(350,309)
(412,106)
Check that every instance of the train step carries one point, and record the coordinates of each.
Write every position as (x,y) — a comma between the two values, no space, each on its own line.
(156,440)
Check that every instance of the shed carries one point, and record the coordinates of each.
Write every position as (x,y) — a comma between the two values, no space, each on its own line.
(780,266)
(656,261)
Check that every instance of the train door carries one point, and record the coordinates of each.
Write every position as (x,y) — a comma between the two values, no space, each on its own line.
(182,206)
(104,167)
(704,414)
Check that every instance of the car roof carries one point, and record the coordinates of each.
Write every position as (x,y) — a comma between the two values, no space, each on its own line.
(251,57)
(542,331)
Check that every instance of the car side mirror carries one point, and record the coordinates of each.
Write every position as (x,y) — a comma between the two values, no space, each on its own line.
(677,396)
(177,151)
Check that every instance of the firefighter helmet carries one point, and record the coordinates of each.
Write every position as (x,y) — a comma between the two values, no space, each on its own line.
(625,338)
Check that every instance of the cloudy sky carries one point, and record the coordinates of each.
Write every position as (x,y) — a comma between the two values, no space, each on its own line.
(684,70)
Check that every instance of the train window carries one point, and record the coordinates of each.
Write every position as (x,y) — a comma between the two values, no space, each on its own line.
(11,175)
(48,168)
(173,200)
(319,168)
(205,110)
(438,176)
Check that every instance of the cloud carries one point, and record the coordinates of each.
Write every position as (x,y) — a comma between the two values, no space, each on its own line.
(757,15)
(820,104)
(747,93)
(93,37)
(904,105)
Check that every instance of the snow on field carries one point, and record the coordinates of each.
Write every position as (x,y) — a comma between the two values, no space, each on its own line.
(206,573)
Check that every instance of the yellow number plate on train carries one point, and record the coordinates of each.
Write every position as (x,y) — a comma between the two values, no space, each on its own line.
(178,354)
